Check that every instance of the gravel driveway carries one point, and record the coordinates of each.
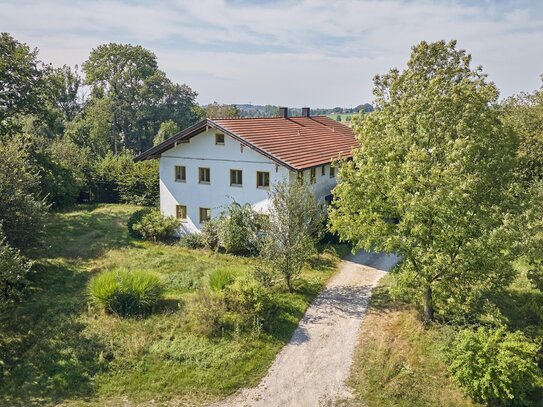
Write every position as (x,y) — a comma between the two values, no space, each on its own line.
(312,369)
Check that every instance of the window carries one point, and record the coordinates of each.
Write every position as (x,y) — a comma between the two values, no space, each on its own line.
(219,139)
(301,177)
(204,176)
(205,214)
(180,173)
(332,172)
(181,212)
(312,175)
(323,170)
(236,178)
(262,179)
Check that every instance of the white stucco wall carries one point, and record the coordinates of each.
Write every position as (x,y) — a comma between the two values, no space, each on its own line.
(202,151)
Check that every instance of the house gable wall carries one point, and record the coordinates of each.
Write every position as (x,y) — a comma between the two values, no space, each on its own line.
(202,152)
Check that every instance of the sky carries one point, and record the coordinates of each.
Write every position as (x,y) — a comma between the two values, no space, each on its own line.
(318,53)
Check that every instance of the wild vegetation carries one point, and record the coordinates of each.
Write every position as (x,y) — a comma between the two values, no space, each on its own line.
(214,329)
(447,178)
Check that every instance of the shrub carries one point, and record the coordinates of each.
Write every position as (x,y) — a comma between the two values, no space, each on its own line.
(21,208)
(136,217)
(14,269)
(493,366)
(192,241)
(210,234)
(155,226)
(125,292)
(248,297)
(240,230)
(139,183)
(263,276)
(219,279)
(206,313)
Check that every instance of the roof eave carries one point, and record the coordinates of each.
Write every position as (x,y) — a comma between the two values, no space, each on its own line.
(197,128)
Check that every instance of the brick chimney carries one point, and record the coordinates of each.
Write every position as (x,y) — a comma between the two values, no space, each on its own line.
(283,112)
(306,112)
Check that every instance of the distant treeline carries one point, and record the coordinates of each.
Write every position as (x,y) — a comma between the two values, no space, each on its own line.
(249,110)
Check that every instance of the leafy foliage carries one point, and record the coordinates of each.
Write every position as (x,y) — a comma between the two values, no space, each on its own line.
(22,207)
(23,84)
(493,366)
(432,182)
(14,270)
(155,226)
(524,113)
(166,130)
(295,225)
(210,234)
(126,293)
(240,229)
(192,241)
(141,95)
(136,218)
(139,184)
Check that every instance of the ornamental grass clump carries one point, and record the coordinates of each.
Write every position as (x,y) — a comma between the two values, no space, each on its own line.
(126,293)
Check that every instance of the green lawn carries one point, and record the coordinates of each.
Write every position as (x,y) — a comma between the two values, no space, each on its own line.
(399,363)
(56,349)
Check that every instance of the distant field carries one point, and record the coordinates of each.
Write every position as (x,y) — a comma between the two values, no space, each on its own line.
(343,116)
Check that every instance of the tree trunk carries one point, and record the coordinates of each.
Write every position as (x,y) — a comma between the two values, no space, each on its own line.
(428,306)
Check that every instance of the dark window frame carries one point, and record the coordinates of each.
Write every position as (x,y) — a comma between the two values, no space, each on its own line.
(204,171)
(234,175)
(207,215)
(184,173)
(265,177)
(185,210)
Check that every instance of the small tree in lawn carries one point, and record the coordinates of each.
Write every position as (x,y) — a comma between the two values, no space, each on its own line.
(432,182)
(295,224)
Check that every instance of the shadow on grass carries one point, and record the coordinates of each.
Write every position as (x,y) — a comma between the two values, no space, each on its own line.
(48,357)
(523,310)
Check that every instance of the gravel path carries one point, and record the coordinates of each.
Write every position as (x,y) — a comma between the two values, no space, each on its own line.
(312,369)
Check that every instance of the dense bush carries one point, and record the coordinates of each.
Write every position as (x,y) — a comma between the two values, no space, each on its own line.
(139,184)
(241,229)
(135,218)
(117,178)
(493,366)
(126,293)
(22,208)
(14,269)
(192,241)
(210,234)
(155,226)
(248,297)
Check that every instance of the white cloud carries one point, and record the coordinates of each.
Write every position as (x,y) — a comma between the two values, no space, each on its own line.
(314,52)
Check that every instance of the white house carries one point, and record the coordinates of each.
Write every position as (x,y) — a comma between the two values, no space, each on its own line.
(216,161)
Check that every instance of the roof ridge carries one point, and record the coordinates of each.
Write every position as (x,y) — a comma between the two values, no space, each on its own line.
(265,117)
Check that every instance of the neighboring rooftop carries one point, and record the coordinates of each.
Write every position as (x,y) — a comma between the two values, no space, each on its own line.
(296,142)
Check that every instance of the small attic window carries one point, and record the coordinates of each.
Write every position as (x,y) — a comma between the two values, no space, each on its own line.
(219,139)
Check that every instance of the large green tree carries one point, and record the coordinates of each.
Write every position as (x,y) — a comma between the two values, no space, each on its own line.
(524,113)
(22,83)
(140,95)
(431,181)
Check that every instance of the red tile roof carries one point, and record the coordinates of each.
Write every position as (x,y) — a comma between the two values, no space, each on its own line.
(299,142)
(296,142)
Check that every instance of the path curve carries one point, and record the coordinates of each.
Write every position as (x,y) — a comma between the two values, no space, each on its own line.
(312,369)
